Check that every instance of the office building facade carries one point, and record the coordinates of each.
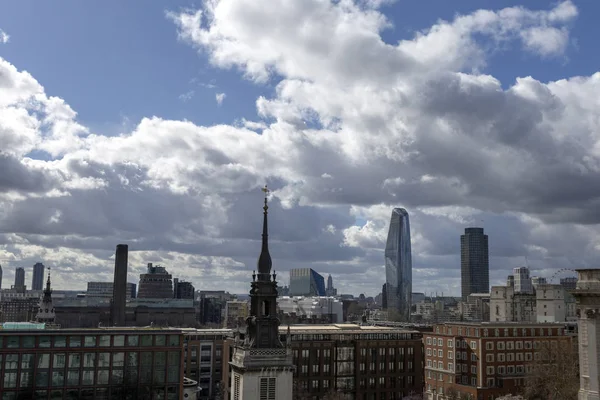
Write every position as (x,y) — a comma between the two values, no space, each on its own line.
(37,281)
(398,267)
(306,282)
(474,262)
(91,364)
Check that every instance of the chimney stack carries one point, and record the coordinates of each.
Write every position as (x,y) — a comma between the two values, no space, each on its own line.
(119,286)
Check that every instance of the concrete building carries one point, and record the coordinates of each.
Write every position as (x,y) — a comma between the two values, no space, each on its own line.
(261,365)
(20,280)
(484,360)
(306,282)
(508,306)
(476,308)
(105,290)
(474,262)
(305,309)
(550,303)
(236,312)
(37,281)
(587,295)
(398,266)
(72,364)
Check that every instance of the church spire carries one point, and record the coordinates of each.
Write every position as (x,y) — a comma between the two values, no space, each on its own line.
(264,261)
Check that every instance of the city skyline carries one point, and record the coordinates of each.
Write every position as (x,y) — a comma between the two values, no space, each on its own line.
(156,126)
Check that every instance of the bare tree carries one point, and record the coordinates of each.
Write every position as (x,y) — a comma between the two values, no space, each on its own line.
(554,372)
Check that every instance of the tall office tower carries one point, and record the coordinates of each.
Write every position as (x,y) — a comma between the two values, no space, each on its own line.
(0,276)
(522,280)
(384,297)
(398,267)
(306,282)
(37,282)
(19,279)
(474,262)
(156,283)
(329,282)
(119,286)
(262,350)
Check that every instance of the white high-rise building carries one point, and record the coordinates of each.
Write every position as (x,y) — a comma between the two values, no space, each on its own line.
(522,280)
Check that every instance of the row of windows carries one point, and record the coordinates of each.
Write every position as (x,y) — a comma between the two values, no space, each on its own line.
(158,359)
(348,353)
(469,331)
(15,342)
(450,342)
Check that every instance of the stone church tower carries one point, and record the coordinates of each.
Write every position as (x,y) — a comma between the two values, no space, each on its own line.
(46,308)
(262,366)
(587,294)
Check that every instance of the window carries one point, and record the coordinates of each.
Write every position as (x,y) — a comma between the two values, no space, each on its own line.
(500,345)
(489,357)
(429,352)
(501,357)
(501,370)
(473,357)
(440,342)
(440,353)
(528,345)
(450,343)
(473,370)
(510,345)
(450,355)
(490,382)
(458,355)
(90,341)
(473,345)
(428,342)
(489,346)
(473,381)
(450,367)
(510,357)
(429,363)
(146,340)
(489,370)
(519,356)
(519,345)
(528,357)
(267,389)
(464,355)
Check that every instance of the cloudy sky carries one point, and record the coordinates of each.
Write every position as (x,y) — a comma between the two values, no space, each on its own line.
(129,122)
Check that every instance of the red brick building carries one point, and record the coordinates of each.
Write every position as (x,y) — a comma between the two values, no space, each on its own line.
(484,360)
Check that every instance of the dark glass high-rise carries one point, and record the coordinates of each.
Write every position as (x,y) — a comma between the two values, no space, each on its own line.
(474,262)
(398,267)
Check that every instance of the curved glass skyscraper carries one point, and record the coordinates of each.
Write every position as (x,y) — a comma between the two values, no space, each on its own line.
(398,267)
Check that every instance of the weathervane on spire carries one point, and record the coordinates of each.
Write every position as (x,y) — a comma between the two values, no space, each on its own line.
(267,191)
